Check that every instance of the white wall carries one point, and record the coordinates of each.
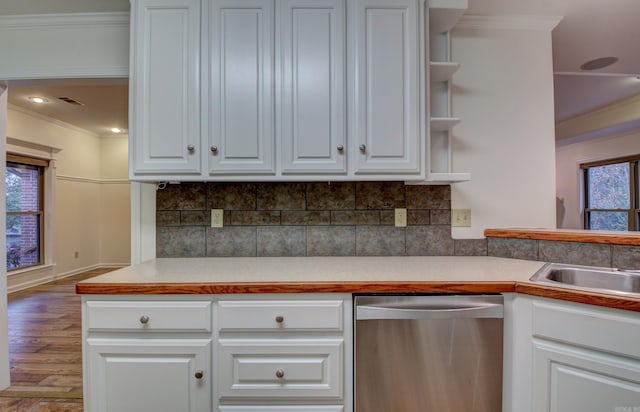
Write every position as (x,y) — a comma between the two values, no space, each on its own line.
(568,160)
(503,92)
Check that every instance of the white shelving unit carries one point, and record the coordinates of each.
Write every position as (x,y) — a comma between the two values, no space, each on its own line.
(443,15)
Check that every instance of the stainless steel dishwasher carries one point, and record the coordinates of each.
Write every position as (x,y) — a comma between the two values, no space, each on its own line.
(428,353)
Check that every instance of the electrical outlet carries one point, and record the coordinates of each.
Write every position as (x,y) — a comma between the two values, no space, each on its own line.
(461,217)
(217,217)
(401,217)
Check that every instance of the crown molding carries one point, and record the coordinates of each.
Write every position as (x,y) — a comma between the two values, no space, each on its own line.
(509,22)
(50,119)
(63,20)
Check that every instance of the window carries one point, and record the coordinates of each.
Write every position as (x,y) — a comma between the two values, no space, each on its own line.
(25,211)
(611,194)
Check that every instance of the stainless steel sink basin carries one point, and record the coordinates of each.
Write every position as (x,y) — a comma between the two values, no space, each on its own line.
(592,278)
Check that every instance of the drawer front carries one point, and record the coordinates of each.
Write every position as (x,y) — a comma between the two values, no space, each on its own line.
(149,316)
(280,315)
(597,328)
(297,408)
(266,368)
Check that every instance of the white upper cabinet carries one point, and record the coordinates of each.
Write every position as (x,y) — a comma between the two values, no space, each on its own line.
(240,116)
(311,92)
(268,90)
(165,89)
(387,99)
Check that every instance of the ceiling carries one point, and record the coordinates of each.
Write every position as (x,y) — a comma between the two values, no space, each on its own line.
(103,102)
(589,29)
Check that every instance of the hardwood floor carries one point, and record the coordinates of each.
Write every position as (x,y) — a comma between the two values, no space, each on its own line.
(45,347)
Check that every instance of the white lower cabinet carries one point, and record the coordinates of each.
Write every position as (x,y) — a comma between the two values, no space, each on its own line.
(285,354)
(149,375)
(229,353)
(270,368)
(579,358)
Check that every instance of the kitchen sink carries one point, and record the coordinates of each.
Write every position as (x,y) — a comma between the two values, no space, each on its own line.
(589,278)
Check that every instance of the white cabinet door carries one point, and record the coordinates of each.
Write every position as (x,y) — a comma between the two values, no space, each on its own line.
(165,88)
(240,77)
(567,378)
(311,77)
(386,107)
(142,375)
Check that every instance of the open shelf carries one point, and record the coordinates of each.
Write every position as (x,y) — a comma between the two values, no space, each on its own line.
(444,14)
(442,71)
(443,124)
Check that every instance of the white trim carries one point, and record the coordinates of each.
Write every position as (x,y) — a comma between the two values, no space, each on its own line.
(39,275)
(509,22)
(93,181)
(60,20)
(25,148)
(143,221)
(50,120)
(104,32)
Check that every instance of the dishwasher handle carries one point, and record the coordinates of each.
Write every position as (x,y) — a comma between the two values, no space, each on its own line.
(485,310)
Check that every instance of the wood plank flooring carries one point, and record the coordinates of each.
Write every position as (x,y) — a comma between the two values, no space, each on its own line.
(45,348)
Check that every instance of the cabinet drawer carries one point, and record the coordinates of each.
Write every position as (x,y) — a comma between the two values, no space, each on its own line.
(266,368)
(609,331)
(149,316)
(280,315)
(297,408)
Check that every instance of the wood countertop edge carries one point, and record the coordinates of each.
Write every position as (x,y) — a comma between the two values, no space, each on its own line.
(571,295)
(566,236)
(295,287)
(580,296)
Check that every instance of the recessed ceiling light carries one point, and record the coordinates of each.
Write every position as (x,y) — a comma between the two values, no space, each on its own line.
(599,63)
(115,130)
(38,99)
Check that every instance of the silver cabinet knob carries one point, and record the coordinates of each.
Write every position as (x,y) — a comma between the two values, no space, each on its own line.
(340,148)
(199,374)
(279,319)
(214,149)
(191,148)
(363,148)
(144,319)
(280,373)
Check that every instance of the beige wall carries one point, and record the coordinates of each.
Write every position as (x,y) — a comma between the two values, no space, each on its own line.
(91,193)
(568,160)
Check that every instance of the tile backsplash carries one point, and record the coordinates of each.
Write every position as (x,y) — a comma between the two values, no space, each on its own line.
(307,219)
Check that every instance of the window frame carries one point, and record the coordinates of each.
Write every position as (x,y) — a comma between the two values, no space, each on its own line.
(41,165)
(634,196)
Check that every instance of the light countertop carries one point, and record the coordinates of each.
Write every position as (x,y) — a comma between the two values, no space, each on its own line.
(388,274)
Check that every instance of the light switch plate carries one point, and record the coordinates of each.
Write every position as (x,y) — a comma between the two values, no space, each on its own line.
(461,217)
(217,217)
(401,217)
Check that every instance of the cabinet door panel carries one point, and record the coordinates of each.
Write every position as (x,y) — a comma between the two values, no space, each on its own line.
(241,84)
(165,97)
(291,369)
(312,95)
(148,375)
(387,96)
(567,378)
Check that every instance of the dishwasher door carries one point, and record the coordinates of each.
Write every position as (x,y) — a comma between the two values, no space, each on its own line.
(437,353)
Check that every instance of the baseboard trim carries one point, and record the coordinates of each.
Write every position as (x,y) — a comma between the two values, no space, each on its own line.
(40,276)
